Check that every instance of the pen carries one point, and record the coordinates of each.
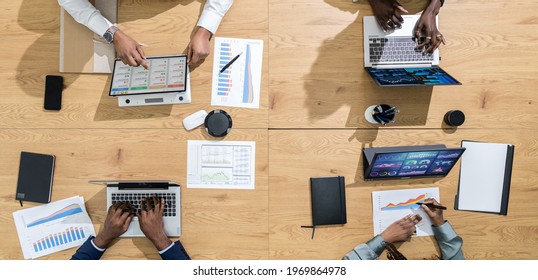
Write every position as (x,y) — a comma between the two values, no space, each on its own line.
(432,205)
(229,63)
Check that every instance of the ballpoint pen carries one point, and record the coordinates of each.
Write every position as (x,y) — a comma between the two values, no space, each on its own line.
(430,205)
(229,63)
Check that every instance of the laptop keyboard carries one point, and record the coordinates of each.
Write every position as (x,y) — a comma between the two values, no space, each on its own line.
(135,198)
(394,49)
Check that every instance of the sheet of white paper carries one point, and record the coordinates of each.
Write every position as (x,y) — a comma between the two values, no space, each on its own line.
(390,206)
(239,85)
(221,164)
(53,227)
(482,176)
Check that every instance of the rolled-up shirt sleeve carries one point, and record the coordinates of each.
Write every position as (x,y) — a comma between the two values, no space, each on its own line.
(367,251)
(214,11)
(449,242)
(85,13)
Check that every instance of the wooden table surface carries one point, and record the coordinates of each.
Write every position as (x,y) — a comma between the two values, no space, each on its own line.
(310,123)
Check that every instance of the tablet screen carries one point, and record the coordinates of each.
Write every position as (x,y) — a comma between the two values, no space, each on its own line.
(165,74)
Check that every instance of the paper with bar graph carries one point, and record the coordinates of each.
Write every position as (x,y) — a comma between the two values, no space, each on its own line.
(221,164)
(53,227)
(390,206)
(238,85)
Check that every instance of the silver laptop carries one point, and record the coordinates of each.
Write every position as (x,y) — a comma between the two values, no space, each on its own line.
(133,192)
(166,81)
(391,59)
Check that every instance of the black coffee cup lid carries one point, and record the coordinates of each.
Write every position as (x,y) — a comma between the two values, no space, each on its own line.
(218,123)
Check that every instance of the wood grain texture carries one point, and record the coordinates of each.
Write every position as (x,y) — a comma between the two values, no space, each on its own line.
(216,224)
(312,78)
(317,77)
(30,51)
(338,152)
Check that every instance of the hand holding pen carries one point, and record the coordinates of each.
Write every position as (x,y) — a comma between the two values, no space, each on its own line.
(434,210)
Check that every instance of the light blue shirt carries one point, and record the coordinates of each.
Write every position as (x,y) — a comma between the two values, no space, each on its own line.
(448,240)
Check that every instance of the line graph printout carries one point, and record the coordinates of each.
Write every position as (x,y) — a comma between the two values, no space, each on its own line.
(390,206)
(53,227)
(221,164)
(238,85)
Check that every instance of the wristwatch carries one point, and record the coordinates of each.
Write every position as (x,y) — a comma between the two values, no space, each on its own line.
(109,34)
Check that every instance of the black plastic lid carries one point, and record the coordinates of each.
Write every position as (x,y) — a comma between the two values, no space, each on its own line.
(218,123)
(455,118)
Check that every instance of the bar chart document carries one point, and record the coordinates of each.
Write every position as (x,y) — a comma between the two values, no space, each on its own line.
(239,84)
(53,227)
(390,206)
(221,164)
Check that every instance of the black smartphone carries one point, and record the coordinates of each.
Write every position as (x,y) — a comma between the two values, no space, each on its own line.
(53,92)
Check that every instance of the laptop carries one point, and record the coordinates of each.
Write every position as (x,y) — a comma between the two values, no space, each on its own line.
(166,81)
(391,59)
(134,191)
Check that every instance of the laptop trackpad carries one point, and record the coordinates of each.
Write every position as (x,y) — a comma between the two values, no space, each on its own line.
(134,229)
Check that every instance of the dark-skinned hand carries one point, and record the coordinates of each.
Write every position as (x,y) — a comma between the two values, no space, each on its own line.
(388,13)
(117,222)
(402,229)
(426,33)
(152,223)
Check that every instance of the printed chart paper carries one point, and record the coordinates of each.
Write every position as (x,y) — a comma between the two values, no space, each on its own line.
(53,227)
(390,206)
(239,84)
(221,164)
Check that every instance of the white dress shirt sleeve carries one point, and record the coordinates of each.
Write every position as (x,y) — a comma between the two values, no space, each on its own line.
(214,11)
(85,13)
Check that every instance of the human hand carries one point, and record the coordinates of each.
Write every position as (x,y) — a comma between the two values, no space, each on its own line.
(117,222)
(388,13)
(198,48)
(426,27)
(151,222)
(128,50)
(402,229)
(436,215)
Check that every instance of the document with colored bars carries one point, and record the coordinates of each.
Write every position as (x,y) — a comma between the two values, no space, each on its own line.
(238,85)
(221,164)
(53,227)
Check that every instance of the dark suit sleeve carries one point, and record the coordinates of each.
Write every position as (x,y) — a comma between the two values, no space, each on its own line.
(87,251)
(176,252)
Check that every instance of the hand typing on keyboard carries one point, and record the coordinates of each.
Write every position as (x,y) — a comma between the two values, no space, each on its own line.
(426,27)
(151,221)
(117,222)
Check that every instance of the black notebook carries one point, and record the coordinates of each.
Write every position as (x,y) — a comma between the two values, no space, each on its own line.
(328,201)
(485,175)
(35,177)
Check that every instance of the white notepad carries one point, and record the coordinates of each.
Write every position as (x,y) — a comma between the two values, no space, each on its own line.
(485,177)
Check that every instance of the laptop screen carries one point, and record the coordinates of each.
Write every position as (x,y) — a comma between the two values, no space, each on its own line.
(427,76)
(394,165)
(164,74)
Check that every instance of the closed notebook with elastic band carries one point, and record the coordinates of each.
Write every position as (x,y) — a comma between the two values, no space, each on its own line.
(328,201)
(36,172)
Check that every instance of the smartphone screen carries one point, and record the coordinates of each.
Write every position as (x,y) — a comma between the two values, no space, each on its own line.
(53,92)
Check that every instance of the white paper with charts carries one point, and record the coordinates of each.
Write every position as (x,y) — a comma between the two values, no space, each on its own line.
(390,206)
(221,164)
(239,85)
(53,227)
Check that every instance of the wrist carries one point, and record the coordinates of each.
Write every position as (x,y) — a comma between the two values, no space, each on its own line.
(387,238)
(438,222)
(434,6)
(161,242)
(203,33)
(101,242)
